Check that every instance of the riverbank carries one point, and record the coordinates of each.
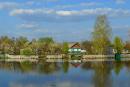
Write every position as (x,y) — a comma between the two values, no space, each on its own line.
(63,58)
(18,58)
(87,58)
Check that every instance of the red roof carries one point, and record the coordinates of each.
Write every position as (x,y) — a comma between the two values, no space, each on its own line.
(76,45)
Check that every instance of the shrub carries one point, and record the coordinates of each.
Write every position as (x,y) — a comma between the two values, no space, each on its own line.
(26,51)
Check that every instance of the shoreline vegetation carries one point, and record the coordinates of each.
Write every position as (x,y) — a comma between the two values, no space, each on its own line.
(101,44)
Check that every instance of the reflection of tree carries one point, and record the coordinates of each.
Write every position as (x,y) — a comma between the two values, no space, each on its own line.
(102,74)
(87,66)
(15,66)
(26,66)
(11,66)
(48,68)
(117,67)
(127,64)
(65,66)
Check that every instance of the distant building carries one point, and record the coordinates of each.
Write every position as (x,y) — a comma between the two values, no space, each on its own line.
(124,51)
(76,48)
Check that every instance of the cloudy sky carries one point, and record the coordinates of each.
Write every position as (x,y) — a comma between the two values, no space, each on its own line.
(64,20)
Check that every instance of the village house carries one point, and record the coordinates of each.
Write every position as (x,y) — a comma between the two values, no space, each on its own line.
(76,48)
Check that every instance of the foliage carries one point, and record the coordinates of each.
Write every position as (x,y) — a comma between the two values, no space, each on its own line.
(26,51)
(101,35)
(118,44)
(47,40)
(65,47)
(45,45)
(5,44)
(87,45)
(127,45)
(20,43)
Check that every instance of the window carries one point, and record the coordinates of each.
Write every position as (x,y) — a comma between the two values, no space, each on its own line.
(79,49)
(75,49)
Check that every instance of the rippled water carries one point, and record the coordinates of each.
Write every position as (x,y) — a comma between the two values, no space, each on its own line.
(42,74)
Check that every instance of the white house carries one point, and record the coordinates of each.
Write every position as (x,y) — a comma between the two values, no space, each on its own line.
(76,48)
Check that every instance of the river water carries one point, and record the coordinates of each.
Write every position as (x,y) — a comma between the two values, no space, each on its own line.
(43,74)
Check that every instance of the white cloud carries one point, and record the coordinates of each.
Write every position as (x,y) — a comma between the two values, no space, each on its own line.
(8,5)
(88,4)
(70,12)
(30,11)
(28,26)
(15,5)
(66,15)
(120,1)
(45,0)
(121,27)
(30,3)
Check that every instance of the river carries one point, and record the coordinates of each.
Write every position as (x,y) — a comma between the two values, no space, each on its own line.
(43,74)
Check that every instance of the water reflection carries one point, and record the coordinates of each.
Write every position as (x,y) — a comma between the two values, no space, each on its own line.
(43,74)
(65,66)
(118,67)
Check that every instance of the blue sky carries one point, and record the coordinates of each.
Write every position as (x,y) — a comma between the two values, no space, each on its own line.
(64,20)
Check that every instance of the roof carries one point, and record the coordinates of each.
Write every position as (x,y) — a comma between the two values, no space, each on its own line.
(74,45)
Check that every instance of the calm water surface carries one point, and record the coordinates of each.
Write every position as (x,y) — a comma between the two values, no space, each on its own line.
(42,74)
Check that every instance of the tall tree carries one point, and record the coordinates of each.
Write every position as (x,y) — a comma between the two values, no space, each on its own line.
(127,45)
(65,47)
(118,44)
(45,45)
(34,46)
(5,44)
(20,43)
(101,35)
(87,45)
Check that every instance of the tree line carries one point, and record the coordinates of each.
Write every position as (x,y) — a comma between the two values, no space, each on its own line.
(100,42)
(22,46)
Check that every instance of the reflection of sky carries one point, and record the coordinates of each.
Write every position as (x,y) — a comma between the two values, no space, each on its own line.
(75,77)
(122,79)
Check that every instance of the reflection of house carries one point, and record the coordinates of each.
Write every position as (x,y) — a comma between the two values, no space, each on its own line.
(76,48)
(76,64)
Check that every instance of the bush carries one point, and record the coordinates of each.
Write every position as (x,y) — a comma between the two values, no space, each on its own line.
(26,51)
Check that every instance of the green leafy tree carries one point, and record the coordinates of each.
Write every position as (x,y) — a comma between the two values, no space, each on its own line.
(5,44)
(34,46)
(26,51)
(118,44)
(87,45)
(20,43)
(101,35)
(45,45)
(47,40)
(65,47)
(127,45)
